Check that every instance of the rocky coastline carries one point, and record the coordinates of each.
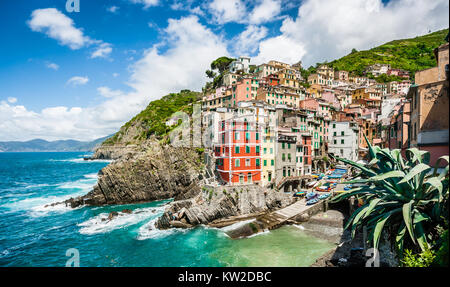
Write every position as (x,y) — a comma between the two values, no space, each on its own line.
(222,206)
(157,172)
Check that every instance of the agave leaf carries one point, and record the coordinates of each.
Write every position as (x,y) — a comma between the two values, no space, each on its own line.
(407,217)
(414,154)
(415,171)
(444,173)
(356,212)
(365,170)
(421,237)
(435,184)
(391,174)
(397,154)
(357,218)
(436,166)
(372,151)
(352,192)
(399,240)
(420,216)
(371,206)
(379,228)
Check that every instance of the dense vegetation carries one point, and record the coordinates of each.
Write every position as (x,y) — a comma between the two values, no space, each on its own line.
(412,55)
(152,120)
(406,197)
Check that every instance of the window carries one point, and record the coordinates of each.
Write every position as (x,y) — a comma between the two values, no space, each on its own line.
(335,141)
(265,150)
(283,157)
(237,162)
(289,145)
(236,149)
(236,136)
(342,141)
(247,149)
(342,133)
(289,156)
(257,149)
(282,145)
(247,162)
(272,162)
(334,134)
(271,150)
(257,162)
(265,162)
(247,136)
(257,136)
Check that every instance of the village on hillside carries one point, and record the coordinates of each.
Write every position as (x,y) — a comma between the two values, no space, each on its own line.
(268,123)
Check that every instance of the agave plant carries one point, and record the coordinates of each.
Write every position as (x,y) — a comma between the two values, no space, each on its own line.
(404,193)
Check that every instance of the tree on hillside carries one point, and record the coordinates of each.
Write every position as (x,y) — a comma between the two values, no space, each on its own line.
(221,64)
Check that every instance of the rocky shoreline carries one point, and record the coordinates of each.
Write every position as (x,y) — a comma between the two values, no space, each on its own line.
(222,206)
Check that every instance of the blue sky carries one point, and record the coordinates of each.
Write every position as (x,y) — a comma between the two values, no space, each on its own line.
(82,75)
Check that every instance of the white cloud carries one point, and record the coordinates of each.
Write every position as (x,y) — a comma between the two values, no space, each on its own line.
(115,75)
(246,43)
(192,47)
(78,81)
(59,27)
(146,3)
(102,51)
(327,30)
(183,65)
(52,66)
(12,100)
(279,48)
(225,11)
(261,11)
(113,9)
(108,93)
(266,11)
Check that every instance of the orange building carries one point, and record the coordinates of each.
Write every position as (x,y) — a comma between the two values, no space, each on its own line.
(238,154)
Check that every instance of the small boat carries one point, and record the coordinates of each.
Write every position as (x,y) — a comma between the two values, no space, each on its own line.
(324,196)
(312,183)
(348,187)
(311,195)
(299,194)
(312,201)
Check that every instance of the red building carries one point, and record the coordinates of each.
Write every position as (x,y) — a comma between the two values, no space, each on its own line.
(238,155)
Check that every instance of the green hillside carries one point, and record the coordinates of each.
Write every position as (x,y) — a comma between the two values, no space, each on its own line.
(152,120)
(408,54)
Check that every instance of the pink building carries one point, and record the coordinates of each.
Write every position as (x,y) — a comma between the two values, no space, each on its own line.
(330,97)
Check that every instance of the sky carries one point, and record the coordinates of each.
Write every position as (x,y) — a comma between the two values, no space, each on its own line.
(81,75)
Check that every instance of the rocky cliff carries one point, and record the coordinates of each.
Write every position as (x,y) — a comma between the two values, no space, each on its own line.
(159,172)
(221,202)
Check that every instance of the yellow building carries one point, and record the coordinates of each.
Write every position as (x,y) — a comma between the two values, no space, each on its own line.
(288,78)
(315,91)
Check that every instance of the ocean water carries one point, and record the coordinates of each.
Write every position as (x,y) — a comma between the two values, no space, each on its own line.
(34,235)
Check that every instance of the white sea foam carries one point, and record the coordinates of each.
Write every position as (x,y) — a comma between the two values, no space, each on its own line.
(266,231)
(236,225)
(91,176)
(299,226)
(41,206)
(101,224)
(81,160)
(149,231)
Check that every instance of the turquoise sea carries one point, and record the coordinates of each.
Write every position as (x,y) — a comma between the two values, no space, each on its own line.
(33,235)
